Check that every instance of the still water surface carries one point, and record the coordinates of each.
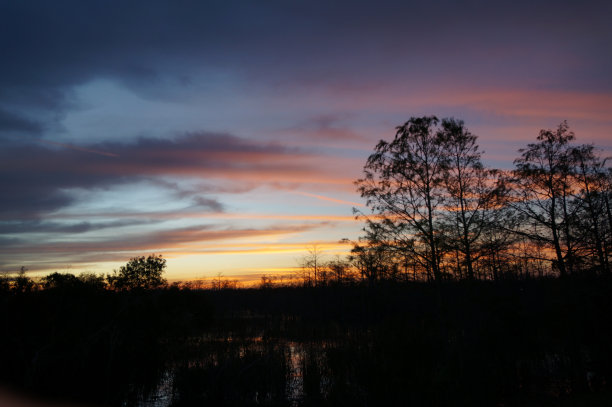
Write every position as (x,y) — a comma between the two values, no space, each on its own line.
(241,370)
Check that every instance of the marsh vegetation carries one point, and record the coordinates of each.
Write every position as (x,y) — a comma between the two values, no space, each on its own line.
(542,341)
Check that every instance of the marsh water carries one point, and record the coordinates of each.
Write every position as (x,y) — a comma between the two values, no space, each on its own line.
(246,367)
(524,343)
(268,371)
(352,368)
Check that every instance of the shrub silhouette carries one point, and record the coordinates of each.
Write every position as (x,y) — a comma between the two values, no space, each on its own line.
(67,281)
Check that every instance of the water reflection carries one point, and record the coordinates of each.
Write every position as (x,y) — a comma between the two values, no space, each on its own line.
(242,370)
(162,394)
(295,373)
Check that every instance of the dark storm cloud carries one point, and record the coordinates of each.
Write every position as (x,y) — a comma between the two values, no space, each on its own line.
(34,177)
(49,46)
(10,123)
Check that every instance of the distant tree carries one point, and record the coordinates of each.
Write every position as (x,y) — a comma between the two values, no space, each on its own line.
(92,280)
(23,283)
(139,273)
(70,281)
(198,284)
(339,270)
(374,256)
(5,283)
(266,282)
(60,280)
(312,265)
(221,283)
(217,283)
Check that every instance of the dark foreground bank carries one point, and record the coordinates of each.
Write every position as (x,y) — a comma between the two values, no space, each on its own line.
(535,342)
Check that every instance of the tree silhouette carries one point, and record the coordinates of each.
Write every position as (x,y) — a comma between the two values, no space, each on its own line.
(403,185)
(374,257)
(472,196)
(139,273)
(590,200)
(70,281)
(312,266)
(23,283)
(543,189)
(60,280)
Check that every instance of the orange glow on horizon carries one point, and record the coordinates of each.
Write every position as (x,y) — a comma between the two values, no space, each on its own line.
(263,248)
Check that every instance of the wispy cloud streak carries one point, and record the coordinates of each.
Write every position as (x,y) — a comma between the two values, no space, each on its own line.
(76,148)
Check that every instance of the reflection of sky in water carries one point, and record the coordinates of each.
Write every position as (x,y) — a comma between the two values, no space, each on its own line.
(295,375)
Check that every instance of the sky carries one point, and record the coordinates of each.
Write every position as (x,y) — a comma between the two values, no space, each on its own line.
(226,135)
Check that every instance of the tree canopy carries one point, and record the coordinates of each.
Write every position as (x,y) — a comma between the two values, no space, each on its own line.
(139,273)
(436,212)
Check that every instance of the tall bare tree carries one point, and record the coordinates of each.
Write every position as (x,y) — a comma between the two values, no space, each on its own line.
(590,198)
(472,196)
(312,265)
(542,179)
(403,183)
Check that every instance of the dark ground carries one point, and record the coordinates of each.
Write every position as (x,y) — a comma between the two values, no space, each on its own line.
(534,342)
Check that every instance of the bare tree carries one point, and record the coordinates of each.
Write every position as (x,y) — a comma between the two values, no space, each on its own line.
(542,179)
(373,256)
(472,196)
(339,270)
(403,184)
(590,197)
(312,265)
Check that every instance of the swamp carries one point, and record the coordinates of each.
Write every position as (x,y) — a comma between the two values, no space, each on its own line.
(529,342)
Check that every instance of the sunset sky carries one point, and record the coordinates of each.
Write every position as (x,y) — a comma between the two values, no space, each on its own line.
(226,135)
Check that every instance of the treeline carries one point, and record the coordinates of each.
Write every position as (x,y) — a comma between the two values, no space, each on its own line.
(139,274)
(437,213)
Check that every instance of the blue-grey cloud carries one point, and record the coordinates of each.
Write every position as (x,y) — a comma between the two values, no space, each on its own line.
(42,226)
(11,123)
(104,249)
(35,176)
